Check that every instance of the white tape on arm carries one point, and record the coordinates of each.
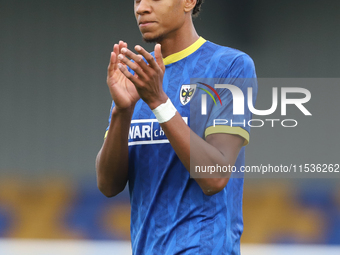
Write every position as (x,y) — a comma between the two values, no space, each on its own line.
(165,112)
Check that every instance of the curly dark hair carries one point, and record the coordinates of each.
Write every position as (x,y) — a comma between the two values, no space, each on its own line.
(197,8)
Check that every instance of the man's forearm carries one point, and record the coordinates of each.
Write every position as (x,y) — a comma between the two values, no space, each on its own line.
(193,151)
(112,159)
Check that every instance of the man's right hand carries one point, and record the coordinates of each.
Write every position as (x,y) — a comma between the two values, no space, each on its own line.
(123,91)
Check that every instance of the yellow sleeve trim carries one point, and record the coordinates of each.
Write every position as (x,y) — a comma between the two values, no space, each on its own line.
(228,130)
(106,134)
(184,53)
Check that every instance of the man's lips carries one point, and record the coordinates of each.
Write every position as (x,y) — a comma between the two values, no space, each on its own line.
(146,23)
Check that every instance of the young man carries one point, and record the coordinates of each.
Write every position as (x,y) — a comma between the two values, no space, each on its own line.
(150,143)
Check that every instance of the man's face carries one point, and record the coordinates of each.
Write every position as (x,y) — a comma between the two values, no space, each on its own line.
(157,19)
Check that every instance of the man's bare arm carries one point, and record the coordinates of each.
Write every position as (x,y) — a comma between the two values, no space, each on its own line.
(192,150)
(112,159)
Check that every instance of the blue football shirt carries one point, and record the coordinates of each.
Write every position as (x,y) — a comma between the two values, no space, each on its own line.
(169,212)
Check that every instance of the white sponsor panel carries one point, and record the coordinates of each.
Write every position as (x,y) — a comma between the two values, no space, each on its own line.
(147,131)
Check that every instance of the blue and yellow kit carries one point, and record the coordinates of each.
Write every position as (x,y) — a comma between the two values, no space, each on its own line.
(169,212)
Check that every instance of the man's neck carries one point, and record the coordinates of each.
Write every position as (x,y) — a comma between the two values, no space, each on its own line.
(179,40)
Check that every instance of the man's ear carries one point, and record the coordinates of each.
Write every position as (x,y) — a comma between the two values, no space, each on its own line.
(189,5)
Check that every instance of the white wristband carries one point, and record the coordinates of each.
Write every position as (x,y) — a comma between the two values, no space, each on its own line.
(165,112)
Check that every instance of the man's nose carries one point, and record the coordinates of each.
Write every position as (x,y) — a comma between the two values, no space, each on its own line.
(144,6)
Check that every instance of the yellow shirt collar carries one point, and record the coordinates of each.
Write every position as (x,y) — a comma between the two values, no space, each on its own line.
(184,53)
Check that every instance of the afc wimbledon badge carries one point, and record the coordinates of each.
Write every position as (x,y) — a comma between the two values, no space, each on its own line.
(186,93)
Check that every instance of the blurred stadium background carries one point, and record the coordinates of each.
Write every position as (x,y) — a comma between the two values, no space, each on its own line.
(54,106)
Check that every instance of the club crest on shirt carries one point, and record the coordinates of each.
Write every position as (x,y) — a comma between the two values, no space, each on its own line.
(187,91)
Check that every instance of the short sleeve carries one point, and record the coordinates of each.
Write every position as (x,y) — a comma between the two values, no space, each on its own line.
(107,129)
(232,114)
